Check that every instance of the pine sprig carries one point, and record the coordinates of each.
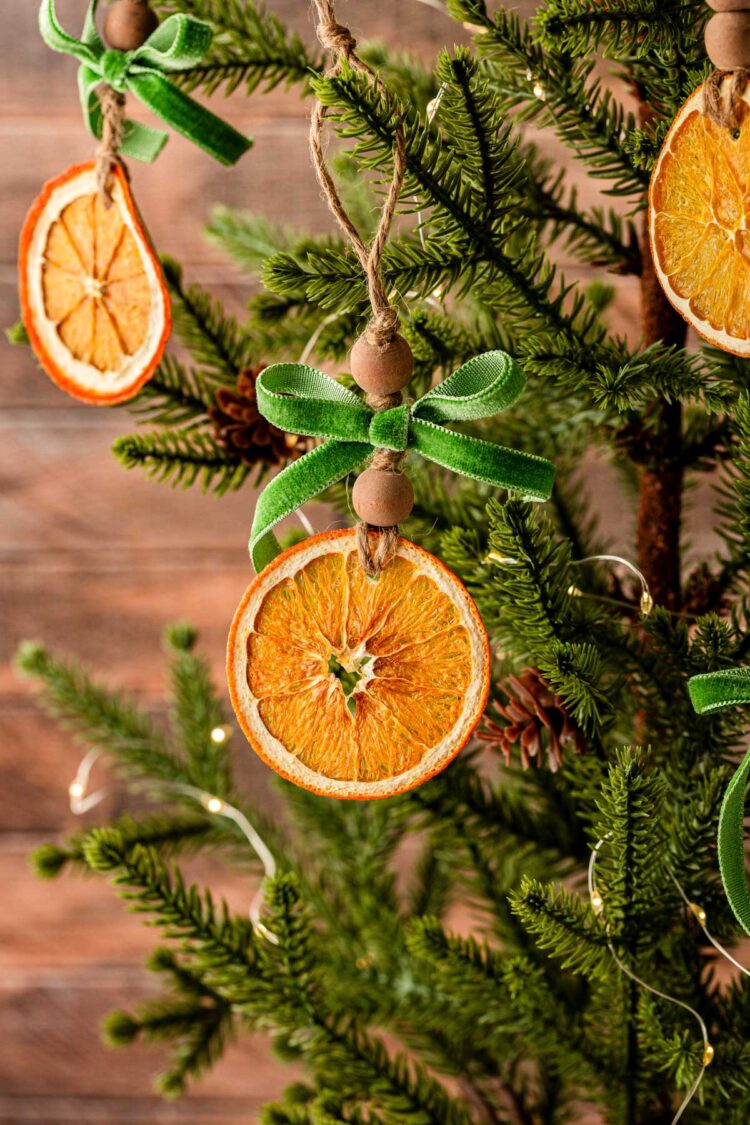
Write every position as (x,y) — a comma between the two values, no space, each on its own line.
(251,48)
(216,342)
(183,458)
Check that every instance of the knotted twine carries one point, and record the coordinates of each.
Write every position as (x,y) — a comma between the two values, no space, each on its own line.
(384,324)
(112,104)
(728,111)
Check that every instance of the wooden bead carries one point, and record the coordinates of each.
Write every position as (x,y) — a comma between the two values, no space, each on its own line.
(381,370)
(728,5)
(728,40)
(382,498)
(128,24)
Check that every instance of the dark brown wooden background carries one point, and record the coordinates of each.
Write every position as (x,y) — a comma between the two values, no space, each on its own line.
(95,561)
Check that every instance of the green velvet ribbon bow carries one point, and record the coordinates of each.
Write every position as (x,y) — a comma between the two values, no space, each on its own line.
(301,400)
(179,43)
(710,692)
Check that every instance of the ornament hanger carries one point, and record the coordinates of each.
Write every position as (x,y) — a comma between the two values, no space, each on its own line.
(378,496)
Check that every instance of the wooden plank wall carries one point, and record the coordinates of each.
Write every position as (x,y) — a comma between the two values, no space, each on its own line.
(95,561)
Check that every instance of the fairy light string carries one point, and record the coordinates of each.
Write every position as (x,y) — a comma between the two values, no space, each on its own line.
(598,905)
(81,801)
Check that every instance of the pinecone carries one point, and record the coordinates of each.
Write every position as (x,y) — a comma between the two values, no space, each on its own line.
(537,721)
(242,429)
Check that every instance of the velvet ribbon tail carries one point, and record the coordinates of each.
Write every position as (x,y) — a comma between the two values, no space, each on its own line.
(711,692)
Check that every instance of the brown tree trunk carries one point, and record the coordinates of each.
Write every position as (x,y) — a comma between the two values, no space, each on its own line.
(661,474)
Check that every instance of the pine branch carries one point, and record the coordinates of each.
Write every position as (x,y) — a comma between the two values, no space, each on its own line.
(169,834)
(551,87)
(576,27)
(97,716)
(196,713)
(251,48)
(183,458)
(527,604)
(217,343)
(175,395)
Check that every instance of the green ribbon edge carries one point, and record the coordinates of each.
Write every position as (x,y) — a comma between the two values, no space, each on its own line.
(305,401)
(711,692)
(179,43)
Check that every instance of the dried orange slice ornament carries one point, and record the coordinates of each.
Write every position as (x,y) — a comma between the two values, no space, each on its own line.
(93,297)
(353,687)
(699,212)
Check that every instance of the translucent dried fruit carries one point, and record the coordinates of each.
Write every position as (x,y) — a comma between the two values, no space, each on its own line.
(93,297)
(353,687)
(699,205)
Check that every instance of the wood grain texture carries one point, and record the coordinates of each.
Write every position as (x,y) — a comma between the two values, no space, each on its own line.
(95,562)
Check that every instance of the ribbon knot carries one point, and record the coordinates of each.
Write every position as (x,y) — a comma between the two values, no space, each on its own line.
(301,400)
(115,68)
(389,429)
(177,44)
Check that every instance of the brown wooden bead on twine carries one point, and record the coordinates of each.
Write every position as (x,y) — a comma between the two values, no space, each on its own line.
(379,356)
(128,24)
(382,497)
(381,369)
(107,155)
(727,38)
(728,5)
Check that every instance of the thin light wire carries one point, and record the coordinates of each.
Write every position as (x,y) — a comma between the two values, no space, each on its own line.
(80,803)
(699,913)
(597,903)
(646,602)
(432,108)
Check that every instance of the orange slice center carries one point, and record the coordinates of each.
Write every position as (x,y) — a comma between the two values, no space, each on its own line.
(358,679)
(94,283)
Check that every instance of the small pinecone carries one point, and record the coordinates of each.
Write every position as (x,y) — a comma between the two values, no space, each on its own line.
(537,721)
(242,429)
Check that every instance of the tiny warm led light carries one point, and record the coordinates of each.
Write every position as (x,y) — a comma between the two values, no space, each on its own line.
(647,603)
(76,790)
(597,902)
(539,91)
(699,912)
(219,734)
(574,592)
(432,108)
(214,804)
(708,1055)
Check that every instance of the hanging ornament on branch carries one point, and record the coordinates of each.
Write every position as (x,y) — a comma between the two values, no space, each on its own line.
(358,664)
(699,188)
(93,297)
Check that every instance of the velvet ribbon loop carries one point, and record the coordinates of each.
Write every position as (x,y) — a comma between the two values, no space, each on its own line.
(711,692)
(301,400)
(179,43)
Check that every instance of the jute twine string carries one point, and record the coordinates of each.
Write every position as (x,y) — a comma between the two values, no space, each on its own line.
(727,110)
(113,117)
(384,324)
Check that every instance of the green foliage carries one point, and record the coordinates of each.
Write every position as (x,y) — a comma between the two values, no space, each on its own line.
(251,48)
(364,974)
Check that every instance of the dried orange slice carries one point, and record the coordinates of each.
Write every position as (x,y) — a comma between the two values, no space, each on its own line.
(699,207)
(93,297)
(354,687)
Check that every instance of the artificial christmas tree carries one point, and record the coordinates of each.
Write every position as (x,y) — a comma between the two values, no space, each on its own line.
(552,1006)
